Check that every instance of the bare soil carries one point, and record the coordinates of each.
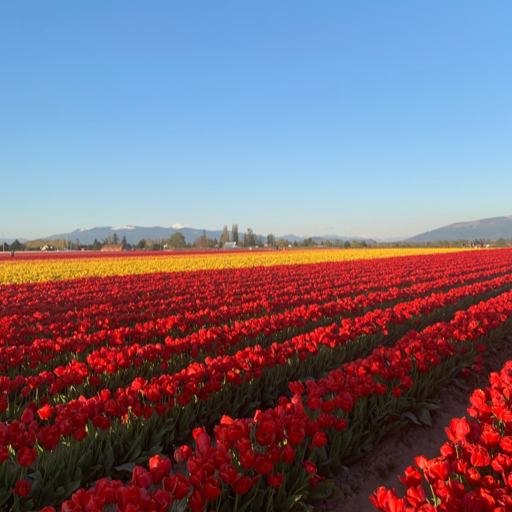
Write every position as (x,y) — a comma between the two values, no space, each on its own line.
(396,452)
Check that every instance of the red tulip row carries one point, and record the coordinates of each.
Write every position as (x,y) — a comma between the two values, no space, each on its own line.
(202,379)
(276,459)
(474,469)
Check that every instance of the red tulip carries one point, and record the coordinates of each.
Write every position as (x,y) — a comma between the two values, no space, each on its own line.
(22,489)
(26,456)
(310,467)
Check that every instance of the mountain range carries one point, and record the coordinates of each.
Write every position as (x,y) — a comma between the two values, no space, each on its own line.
(492,228)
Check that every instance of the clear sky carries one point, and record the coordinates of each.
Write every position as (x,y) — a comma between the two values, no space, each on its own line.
(381,118)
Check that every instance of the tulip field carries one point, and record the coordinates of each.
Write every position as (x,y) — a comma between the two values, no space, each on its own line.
(246,381)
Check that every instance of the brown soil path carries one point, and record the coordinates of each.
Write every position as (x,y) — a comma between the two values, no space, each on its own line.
(396,452)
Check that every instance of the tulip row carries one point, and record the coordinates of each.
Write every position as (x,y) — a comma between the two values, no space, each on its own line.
(473,471)
(73,421)
(177,354)
(283,455)
(20,271)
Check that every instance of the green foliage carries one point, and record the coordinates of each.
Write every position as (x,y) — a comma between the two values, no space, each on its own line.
(203,242)
(249,238)
(225,236)
(234,233)
(308,242)
(177,241)
(16,245)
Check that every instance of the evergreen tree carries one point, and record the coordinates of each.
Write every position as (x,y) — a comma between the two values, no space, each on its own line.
(234,233)
(225,236)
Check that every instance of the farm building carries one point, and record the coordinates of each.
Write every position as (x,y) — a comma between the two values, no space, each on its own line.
(116,247)
(231,245)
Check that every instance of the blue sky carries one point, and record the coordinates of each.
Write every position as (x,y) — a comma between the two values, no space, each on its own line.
(378,118)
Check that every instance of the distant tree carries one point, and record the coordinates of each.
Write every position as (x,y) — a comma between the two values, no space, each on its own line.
(203,242)
(258,241)
(328,243)
(77,244)
(16,246)
(225,236)
(501,242)
(271,240)
(346,245)
(5,246)
(156,246)
(177,241)
(249,240)
(308,242)
(295,244)
(141,245)
(123,241)
(282,242)
(96,246)
(234,233)
(115,239)
(108,240)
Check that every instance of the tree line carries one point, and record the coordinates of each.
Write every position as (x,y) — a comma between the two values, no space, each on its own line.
(247,240)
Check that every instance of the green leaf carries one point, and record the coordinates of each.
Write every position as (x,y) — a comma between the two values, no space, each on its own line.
(129,466)
(108,458)
(72,487)
(335,494)
(5,494)
(432,407)
(244,507)
(323,490)
(287,504)
(249,409)
(424,416)
(226,507)
(27,505)
(412,417)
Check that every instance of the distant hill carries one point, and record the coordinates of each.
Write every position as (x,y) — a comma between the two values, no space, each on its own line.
(135,233)
(493,228)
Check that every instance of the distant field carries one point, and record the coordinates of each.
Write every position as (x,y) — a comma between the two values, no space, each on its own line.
(39,267)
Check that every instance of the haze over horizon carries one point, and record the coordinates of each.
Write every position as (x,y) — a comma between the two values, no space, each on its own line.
(382,119)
